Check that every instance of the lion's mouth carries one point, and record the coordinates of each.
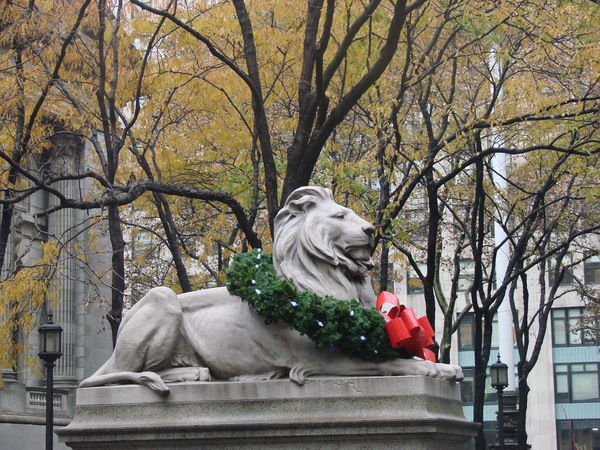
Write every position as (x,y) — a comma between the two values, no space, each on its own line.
(367,264)
(359,267)
(361,256)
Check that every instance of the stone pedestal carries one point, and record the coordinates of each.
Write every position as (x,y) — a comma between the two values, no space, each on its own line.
(343,412)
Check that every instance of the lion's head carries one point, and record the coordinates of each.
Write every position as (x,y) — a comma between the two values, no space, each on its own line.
(324,247)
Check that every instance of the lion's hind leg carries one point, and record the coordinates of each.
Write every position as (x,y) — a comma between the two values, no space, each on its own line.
(147,340)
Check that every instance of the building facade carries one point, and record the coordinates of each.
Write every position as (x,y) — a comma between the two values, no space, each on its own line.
(82,270)
(564,401)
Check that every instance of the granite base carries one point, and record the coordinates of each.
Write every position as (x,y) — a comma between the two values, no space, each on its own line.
(400,412)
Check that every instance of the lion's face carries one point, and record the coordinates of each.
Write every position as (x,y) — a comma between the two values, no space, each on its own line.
(313,229)
(341,236)
(324,247)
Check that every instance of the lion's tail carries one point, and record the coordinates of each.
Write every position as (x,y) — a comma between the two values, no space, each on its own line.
(150,379)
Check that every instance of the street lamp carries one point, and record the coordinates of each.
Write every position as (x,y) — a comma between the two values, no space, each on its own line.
(50,346)
(499,376)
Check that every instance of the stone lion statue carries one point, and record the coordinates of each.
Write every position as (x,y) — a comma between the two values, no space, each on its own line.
(320,246)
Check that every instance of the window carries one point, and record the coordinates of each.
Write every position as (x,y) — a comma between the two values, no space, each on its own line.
(417,224)
(467,274)
(467,387)
(591,269)
(391,282)
(466,332)
(414,285)
(576,383)
(578,434)
(417,219)
(567,277)
(564,328)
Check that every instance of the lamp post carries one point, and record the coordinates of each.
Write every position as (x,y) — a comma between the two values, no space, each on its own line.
(50,351)
(499,376)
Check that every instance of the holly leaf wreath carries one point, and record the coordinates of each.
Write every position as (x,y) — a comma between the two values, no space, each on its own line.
(354,329)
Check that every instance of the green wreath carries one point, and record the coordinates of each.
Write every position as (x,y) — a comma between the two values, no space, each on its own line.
(327,321)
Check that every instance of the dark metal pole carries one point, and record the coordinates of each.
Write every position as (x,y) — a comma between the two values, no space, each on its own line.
(500,419)
(49,405)
(50,345)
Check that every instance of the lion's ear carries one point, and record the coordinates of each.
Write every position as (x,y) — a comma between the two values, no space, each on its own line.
(301,205)
(304,198)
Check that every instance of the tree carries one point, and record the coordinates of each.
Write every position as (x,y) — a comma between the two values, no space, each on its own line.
(316,115)
(27,151)
(111,95)
(458,102)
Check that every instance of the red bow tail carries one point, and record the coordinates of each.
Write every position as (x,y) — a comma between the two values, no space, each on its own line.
(404,329)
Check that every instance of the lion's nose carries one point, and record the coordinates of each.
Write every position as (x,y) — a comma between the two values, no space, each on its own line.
(369,230)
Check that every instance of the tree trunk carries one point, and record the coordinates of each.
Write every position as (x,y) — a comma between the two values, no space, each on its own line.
(261,123)
(482,339)
(384,267)
(166,218)
(118,270)
(445,347)
(5,230)
(310,139)
(432,248)
(522,416)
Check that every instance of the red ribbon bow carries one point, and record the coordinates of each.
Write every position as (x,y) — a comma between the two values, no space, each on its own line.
(404,329)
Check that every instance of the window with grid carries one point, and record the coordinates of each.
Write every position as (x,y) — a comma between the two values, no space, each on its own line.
(414,285)
(591,270)
(576,382)
(467,274)
(565,332)
(467,387)
(466,332)
(567,276)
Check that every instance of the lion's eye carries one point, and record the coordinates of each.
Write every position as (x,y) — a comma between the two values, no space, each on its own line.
(340,215)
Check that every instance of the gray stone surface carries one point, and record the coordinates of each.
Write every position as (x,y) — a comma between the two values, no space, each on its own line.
(402,412)
(25,436)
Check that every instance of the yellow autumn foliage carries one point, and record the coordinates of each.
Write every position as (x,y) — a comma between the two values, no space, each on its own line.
(22,297)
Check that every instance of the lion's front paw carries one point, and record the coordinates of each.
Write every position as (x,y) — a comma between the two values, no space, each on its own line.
(418,366)
(457,373)
(299,373)
(449,372)
(179,374)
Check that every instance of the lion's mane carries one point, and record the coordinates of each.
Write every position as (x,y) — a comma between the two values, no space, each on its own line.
(304,251)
